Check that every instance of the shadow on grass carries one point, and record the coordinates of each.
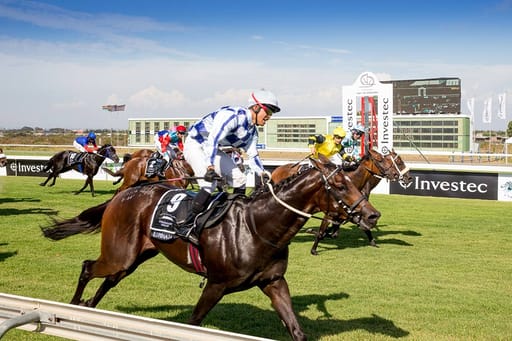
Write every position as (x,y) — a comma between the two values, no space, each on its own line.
(35,210)
(97,192)
(5,255)
(245,318)
(350,236)
(5,200)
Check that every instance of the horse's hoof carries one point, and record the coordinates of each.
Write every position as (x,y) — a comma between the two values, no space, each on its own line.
(314,252)
(373,243)
(311,231)
(41,184)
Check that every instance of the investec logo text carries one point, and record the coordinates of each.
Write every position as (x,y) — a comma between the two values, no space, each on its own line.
(447,186)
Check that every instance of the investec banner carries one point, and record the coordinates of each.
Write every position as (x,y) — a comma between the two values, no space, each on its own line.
(21,167)
(449,184)
(367,85)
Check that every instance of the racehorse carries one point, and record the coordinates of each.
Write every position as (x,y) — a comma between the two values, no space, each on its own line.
(3,158)
(373,167)
(248,247)
(178,171)
(89,164)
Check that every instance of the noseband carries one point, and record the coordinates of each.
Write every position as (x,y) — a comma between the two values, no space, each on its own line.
(384,171)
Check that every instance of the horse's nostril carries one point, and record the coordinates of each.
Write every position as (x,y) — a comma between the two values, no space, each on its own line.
(374,217)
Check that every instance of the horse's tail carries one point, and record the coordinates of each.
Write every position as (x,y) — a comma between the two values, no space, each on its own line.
(88,221)
(48,165)
(109,172)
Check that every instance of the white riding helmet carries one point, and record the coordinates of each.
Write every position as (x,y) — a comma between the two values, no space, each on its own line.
(267,98)
(358,128)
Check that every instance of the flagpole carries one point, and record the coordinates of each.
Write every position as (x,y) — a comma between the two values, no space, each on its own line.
(111,108)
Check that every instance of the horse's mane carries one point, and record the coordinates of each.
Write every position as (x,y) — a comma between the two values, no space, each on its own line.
(263,188)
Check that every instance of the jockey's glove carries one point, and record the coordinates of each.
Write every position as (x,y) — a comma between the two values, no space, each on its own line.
(210,176)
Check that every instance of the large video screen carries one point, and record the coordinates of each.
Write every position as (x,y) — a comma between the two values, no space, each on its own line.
(426,96)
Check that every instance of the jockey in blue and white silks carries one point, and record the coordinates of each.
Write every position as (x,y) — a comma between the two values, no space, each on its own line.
(228,126)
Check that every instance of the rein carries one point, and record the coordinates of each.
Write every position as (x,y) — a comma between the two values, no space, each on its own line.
(347,208)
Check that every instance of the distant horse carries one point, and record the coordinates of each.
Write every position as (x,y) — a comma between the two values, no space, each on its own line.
(178,171)
(3,158)
(88,164)
(373,167)
(248,247)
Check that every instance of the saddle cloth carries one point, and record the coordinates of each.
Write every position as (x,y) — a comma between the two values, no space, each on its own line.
(75,158)
(170,219)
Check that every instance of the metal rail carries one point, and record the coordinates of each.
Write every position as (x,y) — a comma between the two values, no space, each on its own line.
(81,323)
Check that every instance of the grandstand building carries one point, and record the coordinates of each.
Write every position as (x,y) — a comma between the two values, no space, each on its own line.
(426,115)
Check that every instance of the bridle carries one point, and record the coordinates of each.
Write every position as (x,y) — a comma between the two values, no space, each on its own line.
(384,171)
(349,209)
(108,152)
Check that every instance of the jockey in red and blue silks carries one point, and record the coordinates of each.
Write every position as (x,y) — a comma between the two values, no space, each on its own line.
(86,143)
(168,141)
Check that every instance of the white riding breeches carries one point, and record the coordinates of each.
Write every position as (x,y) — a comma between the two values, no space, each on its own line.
(224,166)
(78,146)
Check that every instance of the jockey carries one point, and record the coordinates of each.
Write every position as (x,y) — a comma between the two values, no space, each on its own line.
(86,143)
(167,143)
(352,142)
(330,146)
(228,126)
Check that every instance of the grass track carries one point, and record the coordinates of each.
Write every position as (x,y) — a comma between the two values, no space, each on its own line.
(443,271)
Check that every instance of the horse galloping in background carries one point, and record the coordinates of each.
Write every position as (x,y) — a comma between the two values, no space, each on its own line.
(372,168)
(243,249)
(178,171)
(85,163)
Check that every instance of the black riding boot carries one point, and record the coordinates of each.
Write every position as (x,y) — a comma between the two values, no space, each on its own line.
(199,203)
(161,169)
(198,206)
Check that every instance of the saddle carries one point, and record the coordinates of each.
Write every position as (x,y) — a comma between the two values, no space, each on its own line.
(76,159)
(171,217)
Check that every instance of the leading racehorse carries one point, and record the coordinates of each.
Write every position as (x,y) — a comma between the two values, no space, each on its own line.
(247,248)
(88,164)
(371,170)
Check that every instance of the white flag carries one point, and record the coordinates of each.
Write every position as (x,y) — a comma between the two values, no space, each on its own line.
(502,100)
(471,108)
(486,116)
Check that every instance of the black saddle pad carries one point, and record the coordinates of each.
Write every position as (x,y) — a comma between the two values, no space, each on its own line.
(170,219)
(75,158)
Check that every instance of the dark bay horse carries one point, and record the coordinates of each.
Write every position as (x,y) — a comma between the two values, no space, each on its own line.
(3,158)
(178,172)
(89,165)
(371,170)
(248,247)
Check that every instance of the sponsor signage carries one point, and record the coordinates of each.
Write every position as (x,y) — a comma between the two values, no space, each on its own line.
(368,85)
(449,184)
(26,167)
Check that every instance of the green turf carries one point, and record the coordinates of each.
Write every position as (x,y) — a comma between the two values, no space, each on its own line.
(443,271)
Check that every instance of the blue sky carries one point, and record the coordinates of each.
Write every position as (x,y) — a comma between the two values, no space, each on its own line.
(60,61)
